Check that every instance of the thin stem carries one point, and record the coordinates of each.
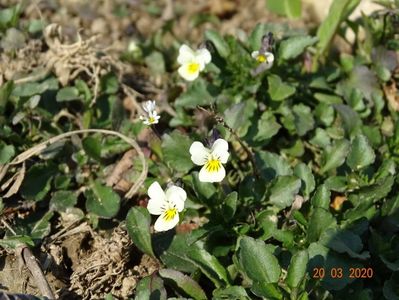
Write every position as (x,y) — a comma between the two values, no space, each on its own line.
(243,144)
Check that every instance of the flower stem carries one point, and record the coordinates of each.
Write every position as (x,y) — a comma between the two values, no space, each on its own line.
(219,119)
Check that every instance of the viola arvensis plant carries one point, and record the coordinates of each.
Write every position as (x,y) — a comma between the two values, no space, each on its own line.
(192,62)
(151,115)
(166,204)
(263,57)
(212,160)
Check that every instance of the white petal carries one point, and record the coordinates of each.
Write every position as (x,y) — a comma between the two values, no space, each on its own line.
(149,106)
(186,74)
(268,65)
(203,56)
(157,199)
(156,192)
(206,176)
(186,54)
(269,57)
(177,196)
(220,150)
(199,154)
(162,225)
(154,206)
(255,54)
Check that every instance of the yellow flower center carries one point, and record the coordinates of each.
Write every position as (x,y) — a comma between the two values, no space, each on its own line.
(170,213)
(193,67)
(151,120)
(213,165)
(261,58)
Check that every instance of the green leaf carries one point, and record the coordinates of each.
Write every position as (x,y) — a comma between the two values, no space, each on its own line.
(37,182)
(344,241)
(61,200)
(9,16)
(102,200)
(204,191)
(290,8)
(138,223)
(267,127)
(180,255)
(328,99)
(351,120)
(173,251)
(339,9)
(297,268)
(238,116)
(6,152)
(258,262)
(150,288)
(42,227)
(321,197)
(391,287)
(36,26)
(283,191)
(13,40)
(68,93)
(175,148)
(295,46)
(220,44)
(229,206)
(230,292)
(303,119)
(196,94)
(255,39)
(209,265)
(335,155)
(272,165)
(34,88)
(303,172)
(15,241)
(92,147)
(319,221)
(266,290)
(109,83)
(183,283)
(364,199)
(156,62)
(278,90)
(324,114)
(361,154)
(5,92)
(336,183)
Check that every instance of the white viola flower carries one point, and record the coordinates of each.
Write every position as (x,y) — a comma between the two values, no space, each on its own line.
(192,62)
(211,160)
(266,57)
(149,106)
(151,115)
(151,119)
(166,204)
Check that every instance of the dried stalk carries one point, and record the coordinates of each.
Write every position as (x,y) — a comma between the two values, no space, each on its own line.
(36,272)
(40,147)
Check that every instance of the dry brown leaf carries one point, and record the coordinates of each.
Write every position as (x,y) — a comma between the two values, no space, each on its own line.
(392,96)
(121,167)
(337,202)
(20,175)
